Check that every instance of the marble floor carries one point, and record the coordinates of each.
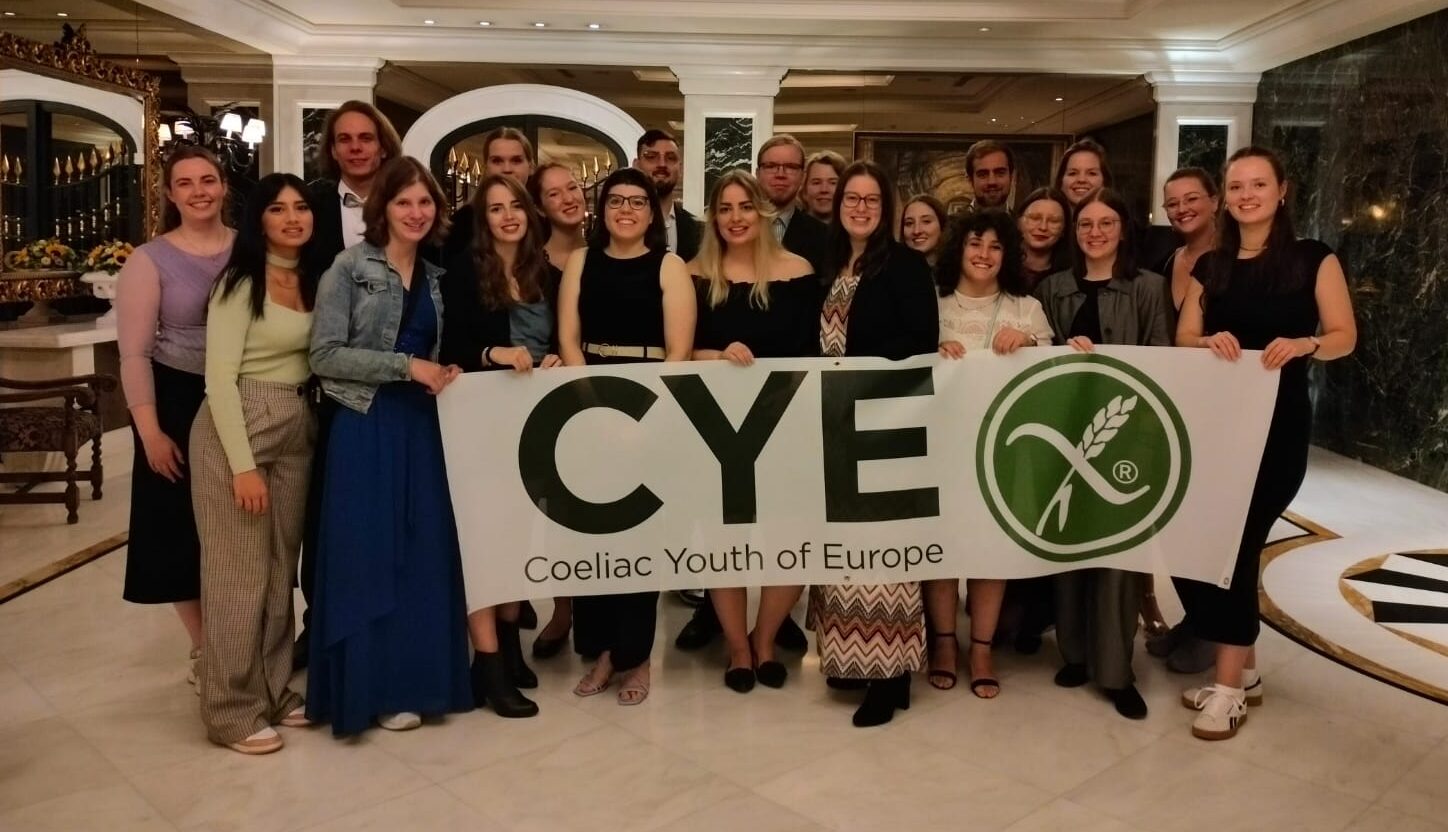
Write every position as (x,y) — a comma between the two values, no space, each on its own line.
(98,730)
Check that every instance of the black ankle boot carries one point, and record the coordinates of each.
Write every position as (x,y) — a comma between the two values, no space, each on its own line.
(510,645)
(491,686)
(882,698)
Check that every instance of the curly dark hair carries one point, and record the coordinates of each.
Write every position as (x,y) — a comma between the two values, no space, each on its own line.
(952,251)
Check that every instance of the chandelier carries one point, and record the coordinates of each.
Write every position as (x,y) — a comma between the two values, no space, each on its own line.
(233,138)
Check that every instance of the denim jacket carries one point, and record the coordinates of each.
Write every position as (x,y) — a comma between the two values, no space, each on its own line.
(1136,312)
(355,322)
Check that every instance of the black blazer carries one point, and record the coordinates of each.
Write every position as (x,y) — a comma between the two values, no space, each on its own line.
(326,221)
(688,231)
(809,238)
(896,312)
(468,327)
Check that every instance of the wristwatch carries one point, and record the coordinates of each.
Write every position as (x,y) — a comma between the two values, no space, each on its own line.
(1316,345)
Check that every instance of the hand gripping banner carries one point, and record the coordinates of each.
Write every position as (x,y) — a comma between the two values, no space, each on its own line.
(598,480)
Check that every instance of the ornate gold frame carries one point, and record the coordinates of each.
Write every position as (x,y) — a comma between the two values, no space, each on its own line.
(74,59)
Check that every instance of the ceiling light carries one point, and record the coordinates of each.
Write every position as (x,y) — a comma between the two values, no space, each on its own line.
(985,28)
(539,25)
(992,121)
(428,22)
(1059,98)
(61,14)
(10,14)
(485,23)
(595,25)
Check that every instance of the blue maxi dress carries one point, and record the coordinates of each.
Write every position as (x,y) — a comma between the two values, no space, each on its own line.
(389,622)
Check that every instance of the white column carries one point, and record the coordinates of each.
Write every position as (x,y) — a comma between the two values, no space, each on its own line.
(312,82)
(722,92)
(1196,98)
(216,79)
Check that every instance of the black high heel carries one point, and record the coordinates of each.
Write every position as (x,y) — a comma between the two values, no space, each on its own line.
(882,698)
(984,681)
(492,687)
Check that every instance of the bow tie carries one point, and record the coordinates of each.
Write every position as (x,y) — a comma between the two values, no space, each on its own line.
(352,201)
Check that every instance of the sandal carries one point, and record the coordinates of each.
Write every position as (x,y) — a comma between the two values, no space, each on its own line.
(976,683)
(590,685)
(944,679)
(296,718)
(635,686)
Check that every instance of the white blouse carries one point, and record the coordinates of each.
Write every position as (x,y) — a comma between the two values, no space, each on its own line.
(974,322)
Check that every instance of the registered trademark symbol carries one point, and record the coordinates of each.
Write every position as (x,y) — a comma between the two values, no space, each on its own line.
(1125,472)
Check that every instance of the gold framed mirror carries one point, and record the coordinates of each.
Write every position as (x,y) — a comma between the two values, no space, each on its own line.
(74,60)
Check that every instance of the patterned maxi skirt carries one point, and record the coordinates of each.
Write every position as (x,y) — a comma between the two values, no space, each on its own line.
(868,631)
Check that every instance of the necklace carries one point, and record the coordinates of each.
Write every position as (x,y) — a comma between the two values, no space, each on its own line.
(282,262)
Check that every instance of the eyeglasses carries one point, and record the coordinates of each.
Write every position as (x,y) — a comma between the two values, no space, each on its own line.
(775,167)
(1042,219)
(615,201)
(1105,226)
(853,200)
(1189,202)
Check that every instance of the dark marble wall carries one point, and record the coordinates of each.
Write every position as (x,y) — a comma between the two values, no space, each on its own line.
(1131,146)
(728,144)
(1364,131)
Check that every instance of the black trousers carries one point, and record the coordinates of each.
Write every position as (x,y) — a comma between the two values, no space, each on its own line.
(621,624)
(1231,616)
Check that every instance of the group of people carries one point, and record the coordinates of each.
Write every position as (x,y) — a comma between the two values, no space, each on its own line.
(282,379)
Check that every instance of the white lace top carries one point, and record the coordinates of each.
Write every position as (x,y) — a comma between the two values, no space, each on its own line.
(975,321)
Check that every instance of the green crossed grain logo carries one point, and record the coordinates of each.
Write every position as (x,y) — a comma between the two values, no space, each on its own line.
(1082,456)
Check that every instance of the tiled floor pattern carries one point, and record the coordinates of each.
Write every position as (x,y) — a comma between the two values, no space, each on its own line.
(98,731)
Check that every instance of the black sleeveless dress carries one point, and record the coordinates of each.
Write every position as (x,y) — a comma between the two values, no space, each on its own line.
(1248,309)
(620,303)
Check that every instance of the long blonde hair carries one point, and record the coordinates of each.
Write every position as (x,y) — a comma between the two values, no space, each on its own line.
(766,248)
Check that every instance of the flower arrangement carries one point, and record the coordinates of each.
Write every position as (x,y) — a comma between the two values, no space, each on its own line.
(108,257)
(43,255)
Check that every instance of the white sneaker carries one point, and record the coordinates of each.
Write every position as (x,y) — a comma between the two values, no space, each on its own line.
(1223,711)
(1251,683)
(405,721)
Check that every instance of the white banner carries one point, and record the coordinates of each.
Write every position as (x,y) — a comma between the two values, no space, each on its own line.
(584,481)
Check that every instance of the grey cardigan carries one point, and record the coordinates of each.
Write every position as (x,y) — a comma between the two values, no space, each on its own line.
(354,327)
(1135,312)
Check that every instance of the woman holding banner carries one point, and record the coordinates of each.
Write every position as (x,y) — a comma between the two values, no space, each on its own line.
(985,304)
(756,300)
(1103,299)
(623,299)
(388,636)
(1261,289)
(498,298)
(882,302)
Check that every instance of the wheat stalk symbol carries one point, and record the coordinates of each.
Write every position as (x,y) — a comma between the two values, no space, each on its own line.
(1099,432)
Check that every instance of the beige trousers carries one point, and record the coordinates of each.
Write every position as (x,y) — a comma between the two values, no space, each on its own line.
(248,561)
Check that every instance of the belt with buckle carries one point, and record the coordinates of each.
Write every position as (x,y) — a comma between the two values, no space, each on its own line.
(616,351)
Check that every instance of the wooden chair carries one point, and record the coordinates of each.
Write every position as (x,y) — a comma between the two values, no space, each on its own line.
(56,427)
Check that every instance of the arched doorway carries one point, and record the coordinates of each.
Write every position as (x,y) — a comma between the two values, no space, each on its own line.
(560,122)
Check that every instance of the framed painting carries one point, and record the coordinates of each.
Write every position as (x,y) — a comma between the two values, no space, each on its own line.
(934,163)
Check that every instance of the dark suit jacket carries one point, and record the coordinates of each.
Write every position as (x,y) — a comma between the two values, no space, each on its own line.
(326,222)
(688,230)
(809,238)
(896,312)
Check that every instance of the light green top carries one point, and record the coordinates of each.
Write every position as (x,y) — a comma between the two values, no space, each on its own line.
(270,348)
